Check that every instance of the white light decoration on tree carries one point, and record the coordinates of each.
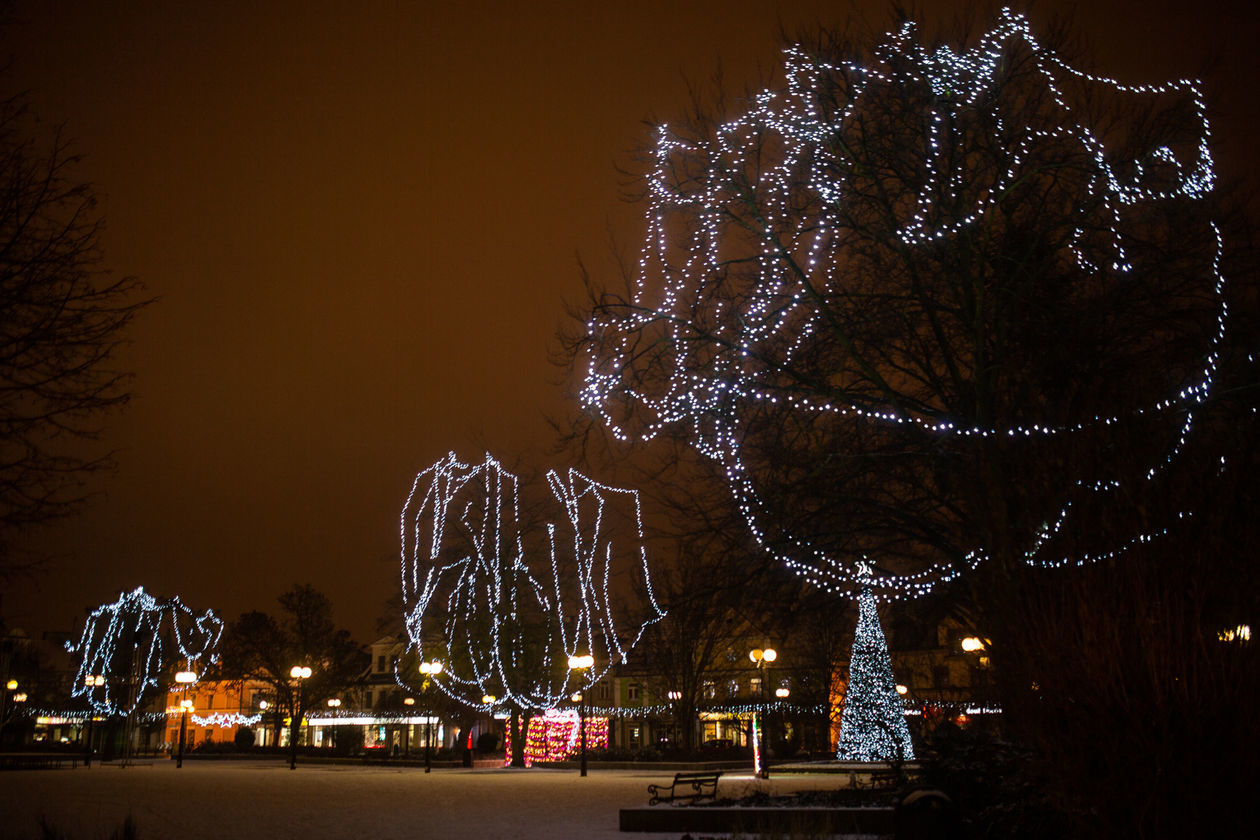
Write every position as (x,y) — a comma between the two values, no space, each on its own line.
(505,610)
(751,230)
(125,645)
(873,725)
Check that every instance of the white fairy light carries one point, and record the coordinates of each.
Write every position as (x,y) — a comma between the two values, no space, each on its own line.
(124,647)
(873,724)
(722,359)
(466,575)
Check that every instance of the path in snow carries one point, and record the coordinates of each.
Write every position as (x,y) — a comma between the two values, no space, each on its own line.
(246,799)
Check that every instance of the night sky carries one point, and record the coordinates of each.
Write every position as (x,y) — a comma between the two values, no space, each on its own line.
(362,221)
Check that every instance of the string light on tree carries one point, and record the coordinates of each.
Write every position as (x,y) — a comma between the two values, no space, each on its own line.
(469,579)
(554,736)
(749,306)
(125,646)
(873,724)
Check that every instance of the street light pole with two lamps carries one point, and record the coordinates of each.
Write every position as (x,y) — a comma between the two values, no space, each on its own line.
(430,670)
(184,679)
(582,663)
(762,659)
(299,673)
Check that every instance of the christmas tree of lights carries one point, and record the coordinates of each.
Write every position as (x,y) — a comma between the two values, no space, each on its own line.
(795,285)
(126,644)
(873,725)
(505,613)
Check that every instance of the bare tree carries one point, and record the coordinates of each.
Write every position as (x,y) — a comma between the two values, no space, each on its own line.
(62,316)
(259,646)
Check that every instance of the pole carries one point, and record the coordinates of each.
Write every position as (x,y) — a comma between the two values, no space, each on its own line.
(183,727)
(87,755)
(293,727)
(582,731)
(765,710)
(428,741)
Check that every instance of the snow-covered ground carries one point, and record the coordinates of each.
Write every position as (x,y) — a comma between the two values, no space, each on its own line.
(246,799)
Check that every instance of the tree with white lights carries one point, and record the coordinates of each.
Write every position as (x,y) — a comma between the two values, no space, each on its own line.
(126,646)
(961,310)
(873,725)
(506,609)
(911,305)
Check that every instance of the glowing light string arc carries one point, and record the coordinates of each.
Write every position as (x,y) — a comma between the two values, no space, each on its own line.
(758,337)
(466,576)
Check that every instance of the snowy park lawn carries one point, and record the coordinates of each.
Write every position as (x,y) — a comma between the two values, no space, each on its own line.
(214,800)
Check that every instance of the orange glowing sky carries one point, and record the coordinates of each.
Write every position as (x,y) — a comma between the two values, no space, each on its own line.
(362,221)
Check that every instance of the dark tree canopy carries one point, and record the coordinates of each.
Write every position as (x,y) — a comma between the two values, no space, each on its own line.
(62,316)
(259,646)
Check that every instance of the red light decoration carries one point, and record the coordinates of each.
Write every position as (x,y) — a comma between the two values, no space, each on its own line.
(556,736)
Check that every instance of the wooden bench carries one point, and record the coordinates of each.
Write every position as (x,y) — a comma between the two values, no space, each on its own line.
(693,786)
(36,761)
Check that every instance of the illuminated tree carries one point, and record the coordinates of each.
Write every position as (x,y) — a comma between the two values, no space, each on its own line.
(125,646)
(505,609)
(63,315)
(912,305)
(873,726)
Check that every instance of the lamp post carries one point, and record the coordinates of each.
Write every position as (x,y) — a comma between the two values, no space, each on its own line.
(91,681)
(334,703)
(298,673)
(761,658)
(184,679)
(430,670)
(583,664)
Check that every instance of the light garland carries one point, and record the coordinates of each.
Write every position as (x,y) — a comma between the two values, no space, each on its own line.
(223,720)
(728,354)
(148,626)
(556,735)
(466,575)
(873,724)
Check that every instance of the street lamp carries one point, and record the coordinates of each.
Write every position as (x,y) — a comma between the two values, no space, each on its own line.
(430,671)
(91,681)
(334,703)
(761,658)
(184,679)
(583,664)
(298,673)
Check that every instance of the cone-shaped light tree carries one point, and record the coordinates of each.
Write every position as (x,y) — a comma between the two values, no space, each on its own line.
(873,726)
